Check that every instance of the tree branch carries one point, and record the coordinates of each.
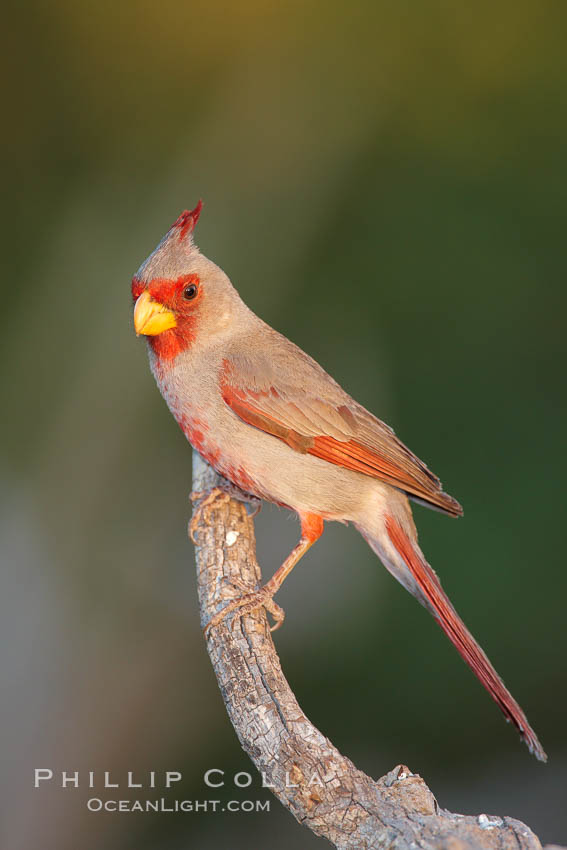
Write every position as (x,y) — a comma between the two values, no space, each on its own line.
(320,787)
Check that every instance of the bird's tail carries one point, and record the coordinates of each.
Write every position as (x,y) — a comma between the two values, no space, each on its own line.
(400,554)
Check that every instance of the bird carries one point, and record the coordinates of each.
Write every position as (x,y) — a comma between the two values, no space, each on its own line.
(277,426)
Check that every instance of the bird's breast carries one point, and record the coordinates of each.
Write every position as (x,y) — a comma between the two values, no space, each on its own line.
(191,392)
(215,446)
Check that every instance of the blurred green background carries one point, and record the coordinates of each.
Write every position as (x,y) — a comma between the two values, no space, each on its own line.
(385,184)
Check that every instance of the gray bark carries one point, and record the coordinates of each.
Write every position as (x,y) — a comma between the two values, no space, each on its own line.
(321,788)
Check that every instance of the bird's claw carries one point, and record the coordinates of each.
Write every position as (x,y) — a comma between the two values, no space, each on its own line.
(203,510)
(224,493)
(246,604)
(242,496)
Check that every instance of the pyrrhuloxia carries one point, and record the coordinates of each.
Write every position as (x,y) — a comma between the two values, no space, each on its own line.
(270,420)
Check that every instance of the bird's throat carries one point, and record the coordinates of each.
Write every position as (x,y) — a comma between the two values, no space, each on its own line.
(169,344)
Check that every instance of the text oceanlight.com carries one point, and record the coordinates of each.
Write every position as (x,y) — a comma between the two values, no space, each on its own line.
(95,804)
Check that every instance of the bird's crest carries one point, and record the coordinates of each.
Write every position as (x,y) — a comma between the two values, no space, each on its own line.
(187,221)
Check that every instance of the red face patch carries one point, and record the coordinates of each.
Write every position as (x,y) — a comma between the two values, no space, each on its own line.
(137,287)
(170,292)
(182,296)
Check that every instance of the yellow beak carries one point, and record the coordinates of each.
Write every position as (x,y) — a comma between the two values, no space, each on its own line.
(151,317)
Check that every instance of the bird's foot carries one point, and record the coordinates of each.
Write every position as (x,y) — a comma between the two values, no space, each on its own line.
(247,603)
(235,492)
(203,510)
(253,503)
(225,492)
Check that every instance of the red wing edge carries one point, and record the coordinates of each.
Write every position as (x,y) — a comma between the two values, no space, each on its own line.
(349,454)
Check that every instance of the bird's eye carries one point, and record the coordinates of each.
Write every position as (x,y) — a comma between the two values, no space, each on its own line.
(190,291)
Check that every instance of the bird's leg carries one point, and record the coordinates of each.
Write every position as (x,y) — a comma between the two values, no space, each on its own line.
(311,530)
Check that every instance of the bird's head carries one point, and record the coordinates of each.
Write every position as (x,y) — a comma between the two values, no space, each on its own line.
(179,295)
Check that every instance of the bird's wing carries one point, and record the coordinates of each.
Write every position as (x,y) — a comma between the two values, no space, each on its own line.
(291,397)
